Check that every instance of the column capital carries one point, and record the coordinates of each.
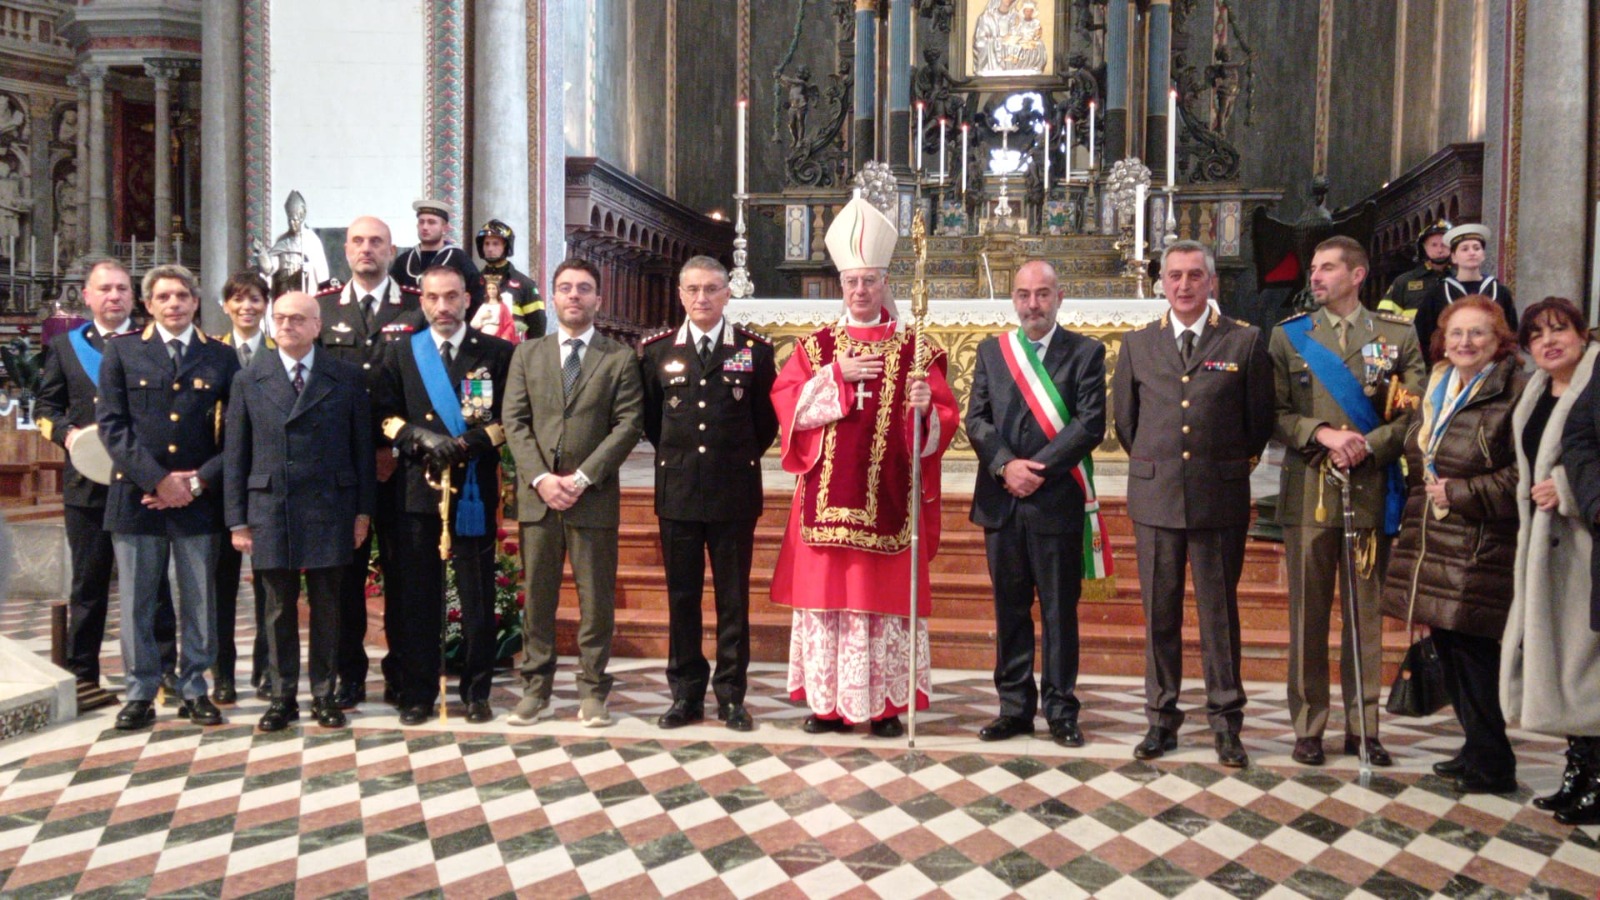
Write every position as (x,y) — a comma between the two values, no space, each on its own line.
(162,70)
(94,74)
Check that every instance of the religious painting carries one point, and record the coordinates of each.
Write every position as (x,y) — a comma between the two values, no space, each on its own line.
(1009,39)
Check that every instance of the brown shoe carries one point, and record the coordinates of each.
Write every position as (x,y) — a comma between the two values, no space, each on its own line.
(1308,752)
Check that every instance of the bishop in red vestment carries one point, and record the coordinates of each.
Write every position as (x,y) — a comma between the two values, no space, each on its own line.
(845,401)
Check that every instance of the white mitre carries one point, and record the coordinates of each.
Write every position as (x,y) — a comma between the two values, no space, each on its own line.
(861,237)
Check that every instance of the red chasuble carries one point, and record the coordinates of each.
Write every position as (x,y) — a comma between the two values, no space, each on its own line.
(845,547)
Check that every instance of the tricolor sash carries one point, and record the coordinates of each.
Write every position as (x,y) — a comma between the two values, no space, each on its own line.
(1347,392)
(1050,411)
(469,510)
(88,356)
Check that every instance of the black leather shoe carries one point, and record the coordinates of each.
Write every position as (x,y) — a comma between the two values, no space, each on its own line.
(350,696)
(328,715)
(1157,743)
(279,715)
(136,714)
(1066,733)
(888,728)
(681,713)
(200,711)
(1452,767)
(391,695)
(1586,809)
(1230,752)
(1574,781)
(416,715)
(1004,728)
(479,712)
(1375,752)
(1473,782)
(264,691)
(736,717)
(815,725)
(1308,752)
(225,692)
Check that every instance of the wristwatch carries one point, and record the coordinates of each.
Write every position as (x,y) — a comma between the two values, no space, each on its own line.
(196,486)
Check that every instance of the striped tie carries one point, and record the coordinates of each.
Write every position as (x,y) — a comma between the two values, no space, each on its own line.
(571,368)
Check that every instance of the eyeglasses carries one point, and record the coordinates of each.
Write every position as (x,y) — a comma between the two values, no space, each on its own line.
(296,321)
(856,282)
(695,290)
(582,289)
(1476,334)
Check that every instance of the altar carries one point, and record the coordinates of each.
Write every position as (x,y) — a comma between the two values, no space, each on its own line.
(957,326)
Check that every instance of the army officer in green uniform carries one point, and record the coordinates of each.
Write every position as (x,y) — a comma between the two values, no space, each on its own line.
(1333,369)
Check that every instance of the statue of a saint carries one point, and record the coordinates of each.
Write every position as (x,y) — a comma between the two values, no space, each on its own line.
(1008,39)
(1226,83)
(801,92)
(295,261)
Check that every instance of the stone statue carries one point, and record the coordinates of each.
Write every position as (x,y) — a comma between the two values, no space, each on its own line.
(1227,81)
(295,261)
(66,202)
(67,130)
(13,119)
(12,205)
(1097,33)
(801,92)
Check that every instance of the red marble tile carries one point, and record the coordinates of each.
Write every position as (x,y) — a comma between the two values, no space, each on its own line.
(187,876)
(641,886)
(261,878)
(1195,858)
(446,769)
(1053,850)
(1343,866)
(261,815)
(1419,871)
(1269,863)
(1560,875)
(33,873)
(155,806)
(983,847)
(520,823)
(1341,812)
(424,879)
(567,884)
(393,819)
(490,883)
(457,820)
(1501,878)
(330,816)
(843,842)
(575,830)
(714,833)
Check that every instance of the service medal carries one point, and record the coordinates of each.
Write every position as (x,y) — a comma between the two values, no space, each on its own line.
(673,402)
(738,393)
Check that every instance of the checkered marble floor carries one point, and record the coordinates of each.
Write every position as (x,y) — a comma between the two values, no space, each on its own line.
(558,810)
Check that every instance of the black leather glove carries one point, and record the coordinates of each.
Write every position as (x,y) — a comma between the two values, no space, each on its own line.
(478,443)
(441,449)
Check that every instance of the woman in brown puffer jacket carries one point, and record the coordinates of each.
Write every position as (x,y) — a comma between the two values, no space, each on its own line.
(1451,567)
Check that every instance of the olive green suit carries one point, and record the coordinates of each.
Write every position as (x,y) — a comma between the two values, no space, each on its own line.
(1377,346)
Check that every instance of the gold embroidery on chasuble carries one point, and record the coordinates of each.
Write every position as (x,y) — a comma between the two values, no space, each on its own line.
(843,502)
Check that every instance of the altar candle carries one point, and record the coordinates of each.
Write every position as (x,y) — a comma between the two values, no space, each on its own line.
(743,108)
(55,255)
(1172,137)
(133,253)
(1066,151)
(1047,160)
(943,172)
(1138,222)
(33,258)
(11,252)
(916,139)
(964,128)
(1091,135)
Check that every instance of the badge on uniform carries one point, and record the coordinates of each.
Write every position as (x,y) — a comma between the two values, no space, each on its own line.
(1219,365)
(477,395)
(673,367)
(1379,358)
(397,328)
(341,327)
(673,401)
(743,361)
(738,392)
(1415,285)
(676,380)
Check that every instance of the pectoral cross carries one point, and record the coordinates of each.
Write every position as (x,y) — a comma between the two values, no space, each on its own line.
(862,395)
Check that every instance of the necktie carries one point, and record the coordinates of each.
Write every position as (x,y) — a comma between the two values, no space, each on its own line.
(705,350)
(448,354)
(245,353)
(571,368)
(1188,346)
(369,311)
(177,353)
(299,377)
(1340,328)
(1038,349)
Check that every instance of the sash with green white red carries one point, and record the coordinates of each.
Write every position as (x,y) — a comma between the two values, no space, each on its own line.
(1050,411)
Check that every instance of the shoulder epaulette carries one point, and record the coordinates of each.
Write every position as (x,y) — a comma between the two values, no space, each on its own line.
(1395,318)
(148,330)
(753,334)
(116,334)
(1298,315)
(657,336)
(330,290)
(1243,323)
(408,289)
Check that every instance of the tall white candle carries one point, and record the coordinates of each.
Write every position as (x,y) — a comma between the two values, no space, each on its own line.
(55,255)
(916,139)
(943,172)
(739,182)
(133,253)
(1066,150)
(1047,154)
(964,129)
(11,252)
(33,256)
(1172,137)
(1138,222)
(1091,135)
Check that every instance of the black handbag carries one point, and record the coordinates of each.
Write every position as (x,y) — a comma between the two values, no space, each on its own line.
(1419,688)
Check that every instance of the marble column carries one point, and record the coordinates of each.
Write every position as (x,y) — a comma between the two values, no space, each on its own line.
(99,190)
(864,132)
(901,121)
(222,239)
(500,122)
(551,168)
(1158,80)
(80,238)
(162,74)
(1116,112)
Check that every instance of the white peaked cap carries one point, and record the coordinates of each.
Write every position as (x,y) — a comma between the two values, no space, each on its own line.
(861,237)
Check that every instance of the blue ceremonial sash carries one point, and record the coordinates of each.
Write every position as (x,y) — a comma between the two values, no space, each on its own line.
(469,510)
(88,356)
(1346,391)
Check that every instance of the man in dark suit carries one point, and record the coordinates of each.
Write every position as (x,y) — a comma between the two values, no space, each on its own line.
(1030,503)
(438,397)
(68,390)
(1193,401)
(708,411)
(244,299)
(574,410)
(358,321)
(299,496)
(162,396)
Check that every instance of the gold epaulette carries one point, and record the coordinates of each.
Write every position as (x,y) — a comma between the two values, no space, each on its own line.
(753,334)
(1396,318)
(657,336)
(1243,323)
(1297,315)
